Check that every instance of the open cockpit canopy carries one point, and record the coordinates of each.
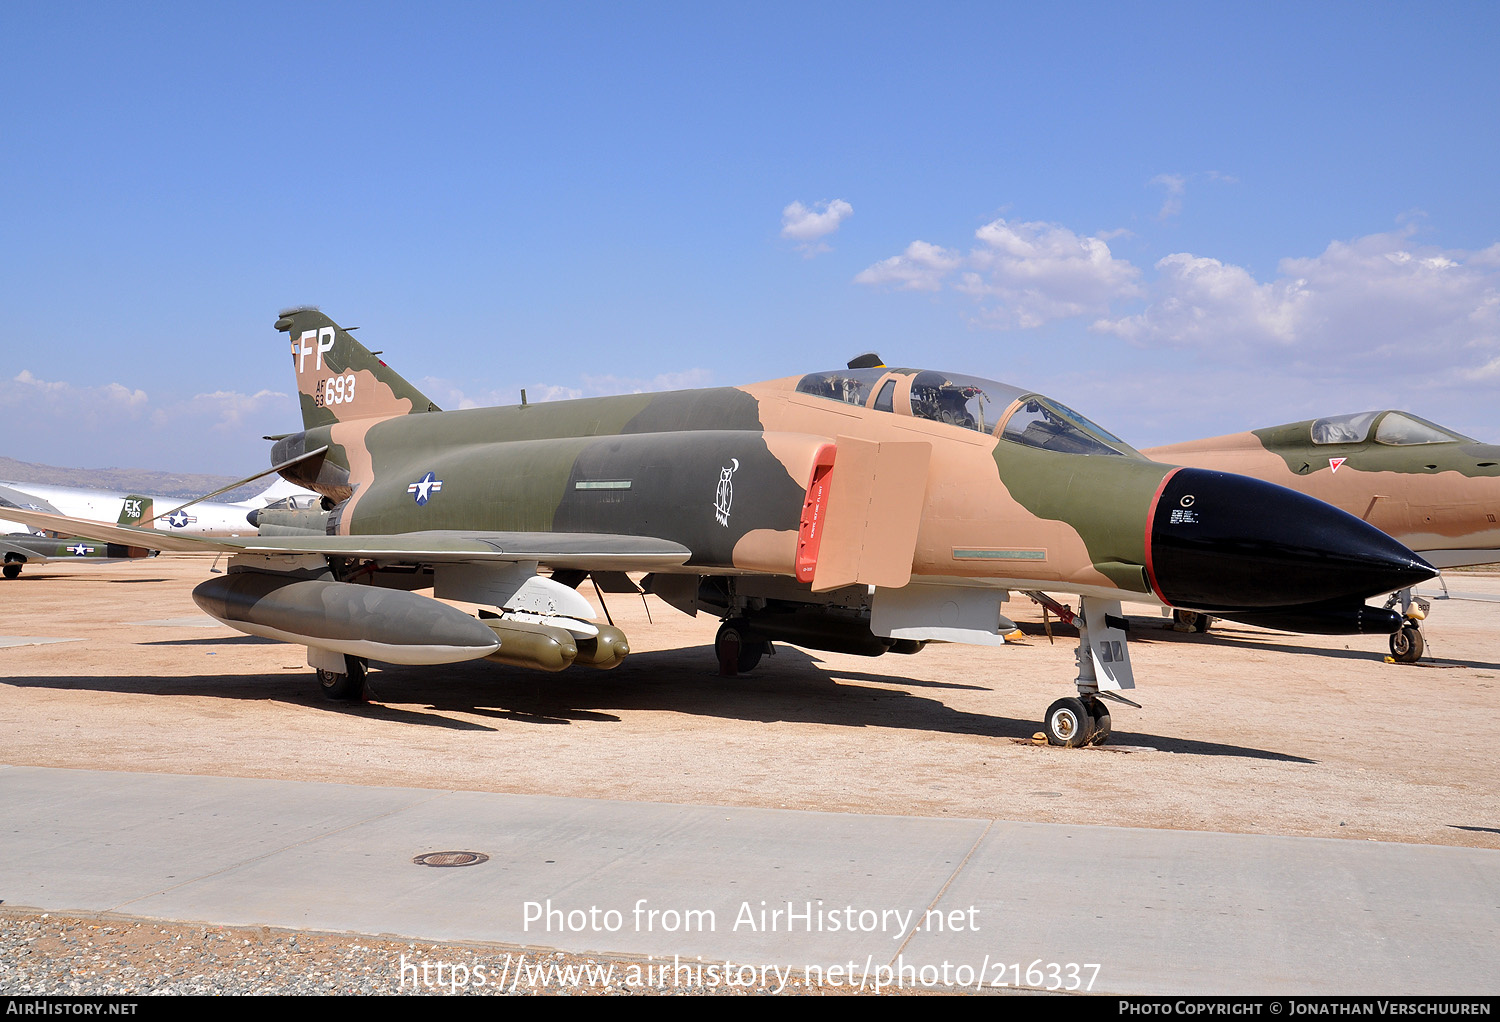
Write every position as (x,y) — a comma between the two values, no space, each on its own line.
(969,402)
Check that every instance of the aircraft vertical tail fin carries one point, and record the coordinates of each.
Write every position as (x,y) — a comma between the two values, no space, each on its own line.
(136,510)
(339,379)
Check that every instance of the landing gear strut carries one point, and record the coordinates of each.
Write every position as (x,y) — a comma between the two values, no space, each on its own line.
(1103,669)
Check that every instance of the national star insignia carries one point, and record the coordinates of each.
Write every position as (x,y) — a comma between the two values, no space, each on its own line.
(425,487)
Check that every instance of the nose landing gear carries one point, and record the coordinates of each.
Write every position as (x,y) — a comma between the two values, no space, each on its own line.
(1103,670)
(1407,643)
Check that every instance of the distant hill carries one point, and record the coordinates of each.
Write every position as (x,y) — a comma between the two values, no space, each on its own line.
(131,480)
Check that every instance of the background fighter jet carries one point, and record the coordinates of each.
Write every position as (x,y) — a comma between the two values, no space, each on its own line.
(1435,490)
(205,517)
(865,510)
(18,549)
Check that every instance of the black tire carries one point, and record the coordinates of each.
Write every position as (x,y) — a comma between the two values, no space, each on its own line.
(346,687)
(1191,621)
(1068,723)
(1100,713)
(752,647)
(1407,644)
(12,569)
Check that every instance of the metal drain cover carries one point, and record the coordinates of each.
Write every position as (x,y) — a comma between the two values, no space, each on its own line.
(451,859)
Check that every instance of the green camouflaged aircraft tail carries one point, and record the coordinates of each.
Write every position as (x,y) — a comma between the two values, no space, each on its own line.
(135,510)
(339,379)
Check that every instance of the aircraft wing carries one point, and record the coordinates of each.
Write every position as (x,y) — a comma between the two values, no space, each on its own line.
(588,551)
(104,532)
(1459,558)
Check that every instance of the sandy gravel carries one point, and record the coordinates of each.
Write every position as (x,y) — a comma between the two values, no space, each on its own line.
(47,955)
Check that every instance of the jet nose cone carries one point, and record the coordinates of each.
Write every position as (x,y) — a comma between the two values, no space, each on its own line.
(1224,542)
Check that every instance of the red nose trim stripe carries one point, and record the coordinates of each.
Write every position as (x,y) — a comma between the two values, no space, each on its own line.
(1151,521)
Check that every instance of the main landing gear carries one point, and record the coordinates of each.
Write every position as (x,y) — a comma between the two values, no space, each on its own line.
(348,686)
(737,648)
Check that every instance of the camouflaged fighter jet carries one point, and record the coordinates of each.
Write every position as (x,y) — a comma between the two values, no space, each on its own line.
(863,510)
(19,549)
(1435,490)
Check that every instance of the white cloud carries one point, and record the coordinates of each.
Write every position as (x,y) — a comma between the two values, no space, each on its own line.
(111,395)
(230,409)
(1361,306)
(687,379)
(1023,274)
(808,225)
(450,395)
(1204,301)
(79,424)
(1039,272)
(1489,371)
(921,267)
(1176,186)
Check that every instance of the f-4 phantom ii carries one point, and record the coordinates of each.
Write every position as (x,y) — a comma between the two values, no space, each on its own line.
(863,510)
(1435,490)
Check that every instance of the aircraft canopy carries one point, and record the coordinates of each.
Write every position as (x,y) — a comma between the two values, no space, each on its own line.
(1398,429)
(969,402)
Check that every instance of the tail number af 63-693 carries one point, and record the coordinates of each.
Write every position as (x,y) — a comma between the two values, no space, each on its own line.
(336,390)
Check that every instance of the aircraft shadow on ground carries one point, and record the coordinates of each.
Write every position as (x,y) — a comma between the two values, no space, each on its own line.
(41,575)
(220,640)
(1256,639)
(792,686)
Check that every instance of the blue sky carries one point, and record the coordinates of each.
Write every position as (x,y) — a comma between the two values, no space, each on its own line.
(1182,219)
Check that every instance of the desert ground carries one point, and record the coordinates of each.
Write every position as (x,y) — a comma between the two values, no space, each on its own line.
(1243,730)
